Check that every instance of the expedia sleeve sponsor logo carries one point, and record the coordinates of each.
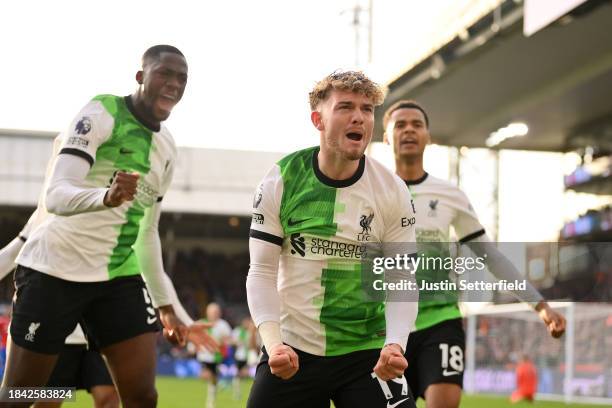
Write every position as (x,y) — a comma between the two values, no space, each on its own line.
(258,218)
(408,221)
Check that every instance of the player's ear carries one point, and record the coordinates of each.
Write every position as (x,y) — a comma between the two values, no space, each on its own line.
(386,139)
(139,77)
(317,120)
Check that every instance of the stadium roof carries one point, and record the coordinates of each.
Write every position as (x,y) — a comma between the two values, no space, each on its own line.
(557,81)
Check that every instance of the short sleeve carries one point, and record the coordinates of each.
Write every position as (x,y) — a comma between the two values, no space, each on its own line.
(266,225)
(91,127)
(466,224)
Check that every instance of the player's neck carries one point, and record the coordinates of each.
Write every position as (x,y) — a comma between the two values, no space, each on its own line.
(337,167)
(410,169)
(142,113)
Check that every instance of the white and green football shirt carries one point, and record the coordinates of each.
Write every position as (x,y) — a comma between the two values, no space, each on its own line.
(97,246)
(241,338)
(440,205)
(322,226)
(221,331)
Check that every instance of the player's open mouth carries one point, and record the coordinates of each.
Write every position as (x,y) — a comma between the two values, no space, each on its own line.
(408,142)
(354,136)
(166,102)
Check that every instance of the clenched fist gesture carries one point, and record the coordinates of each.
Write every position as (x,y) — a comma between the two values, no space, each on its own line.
(123,189)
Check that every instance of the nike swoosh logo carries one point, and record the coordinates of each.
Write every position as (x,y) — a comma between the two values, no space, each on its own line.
(389,405)
(151,320)
(293,223)
(447,373)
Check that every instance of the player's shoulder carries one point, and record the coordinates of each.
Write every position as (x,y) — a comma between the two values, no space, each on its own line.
(445,188)
(108,103)
(382,177)
(432,180)
(100,104)
(164,135)
(298,158)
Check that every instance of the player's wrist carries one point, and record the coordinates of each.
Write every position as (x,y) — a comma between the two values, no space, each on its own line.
(540,305)
(395,346)
(166,310)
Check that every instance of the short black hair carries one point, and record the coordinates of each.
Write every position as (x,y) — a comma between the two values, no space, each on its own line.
(155,52)
(404,104)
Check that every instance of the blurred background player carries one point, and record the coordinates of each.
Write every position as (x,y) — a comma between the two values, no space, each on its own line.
(325,338)
(221,332)
(526,380)
(243,339)
(435,350)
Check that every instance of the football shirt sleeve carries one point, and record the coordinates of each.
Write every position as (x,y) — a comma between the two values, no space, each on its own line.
(266,225)
(91,127)
(466,224)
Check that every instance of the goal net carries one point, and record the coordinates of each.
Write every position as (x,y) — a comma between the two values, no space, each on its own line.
(577,367)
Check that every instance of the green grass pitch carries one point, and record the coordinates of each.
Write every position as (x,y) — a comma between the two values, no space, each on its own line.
(188,393)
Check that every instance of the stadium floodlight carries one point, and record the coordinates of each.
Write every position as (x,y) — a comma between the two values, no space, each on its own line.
(512,130)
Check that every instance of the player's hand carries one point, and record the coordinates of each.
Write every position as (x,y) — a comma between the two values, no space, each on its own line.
(197,333)
(123,189)
(283,361)
(554,321)
(391,363)
(175,330)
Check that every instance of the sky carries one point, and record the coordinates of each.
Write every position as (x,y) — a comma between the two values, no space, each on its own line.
(251,63)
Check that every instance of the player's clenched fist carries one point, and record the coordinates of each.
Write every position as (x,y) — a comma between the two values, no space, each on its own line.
(554,321)
(391,363)
(123,189)
(283,361)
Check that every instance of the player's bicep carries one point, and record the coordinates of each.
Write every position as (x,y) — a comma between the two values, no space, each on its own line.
(265,224)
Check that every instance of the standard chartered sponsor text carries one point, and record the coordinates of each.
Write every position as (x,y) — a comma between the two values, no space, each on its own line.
(320,246)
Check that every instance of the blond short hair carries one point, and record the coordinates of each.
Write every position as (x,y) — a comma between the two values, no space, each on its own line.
(354,81)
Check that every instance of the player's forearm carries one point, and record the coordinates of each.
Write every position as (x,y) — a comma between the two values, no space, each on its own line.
(66,194)
(502,268)
(400,317)
(176,304)
(149,254)
(262,291)
(8,255)
(261,284)
(270,335)
(401,306)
